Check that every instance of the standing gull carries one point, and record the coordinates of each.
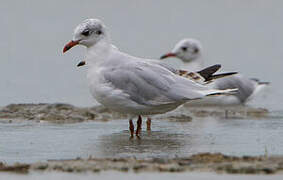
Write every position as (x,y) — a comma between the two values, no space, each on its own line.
(189,51)
(129,84)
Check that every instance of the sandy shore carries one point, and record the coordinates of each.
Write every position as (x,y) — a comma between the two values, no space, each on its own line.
(57,112)
(204,162)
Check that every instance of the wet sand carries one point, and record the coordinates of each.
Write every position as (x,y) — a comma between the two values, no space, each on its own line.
(57,112)
(205,162)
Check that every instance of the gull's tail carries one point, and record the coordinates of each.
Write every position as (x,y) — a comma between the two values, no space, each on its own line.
(206,75)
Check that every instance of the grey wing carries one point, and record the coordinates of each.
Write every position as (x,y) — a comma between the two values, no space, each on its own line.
(245,86)
(150,84)
(167,66)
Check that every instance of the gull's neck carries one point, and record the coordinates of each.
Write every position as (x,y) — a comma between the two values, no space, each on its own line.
(195,65)
(98,53)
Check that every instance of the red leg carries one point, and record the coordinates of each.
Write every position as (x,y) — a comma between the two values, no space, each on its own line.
(131,128)
(139,126)
(148,124)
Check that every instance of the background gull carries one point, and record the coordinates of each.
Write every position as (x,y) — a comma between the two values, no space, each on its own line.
(129,84)
(190,50)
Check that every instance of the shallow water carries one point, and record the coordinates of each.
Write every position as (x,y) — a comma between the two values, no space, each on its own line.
(29,141)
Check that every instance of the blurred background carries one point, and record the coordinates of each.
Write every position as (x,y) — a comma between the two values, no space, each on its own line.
(242,35)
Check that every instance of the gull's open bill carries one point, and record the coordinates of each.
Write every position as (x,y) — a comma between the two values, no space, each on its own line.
(168,55)
(69,45)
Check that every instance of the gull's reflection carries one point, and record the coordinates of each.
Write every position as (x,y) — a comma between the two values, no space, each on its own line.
(153,144)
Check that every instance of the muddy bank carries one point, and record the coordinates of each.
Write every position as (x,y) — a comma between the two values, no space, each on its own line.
(57,112)
(204,162)
(65,112)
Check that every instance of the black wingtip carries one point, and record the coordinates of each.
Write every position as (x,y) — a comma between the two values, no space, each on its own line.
(217,76)
(208,72)
(263,83)
(259,82)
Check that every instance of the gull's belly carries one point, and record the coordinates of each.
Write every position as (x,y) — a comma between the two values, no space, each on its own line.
(119,101)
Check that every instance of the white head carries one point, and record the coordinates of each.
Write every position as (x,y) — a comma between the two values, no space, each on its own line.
(88,33)
(187,50)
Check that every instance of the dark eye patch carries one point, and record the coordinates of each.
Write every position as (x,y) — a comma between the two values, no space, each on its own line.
(196,50)
(184,48)
(85,32)
(98,32)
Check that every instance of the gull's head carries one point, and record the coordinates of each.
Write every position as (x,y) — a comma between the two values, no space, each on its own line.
(187,50)
(88,33)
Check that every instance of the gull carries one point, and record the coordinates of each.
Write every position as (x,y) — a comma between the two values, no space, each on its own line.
(190,50)
(132,85)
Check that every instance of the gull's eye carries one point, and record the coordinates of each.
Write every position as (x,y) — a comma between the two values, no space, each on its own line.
(98,32)
(184,48)
(196,50)
(85,33)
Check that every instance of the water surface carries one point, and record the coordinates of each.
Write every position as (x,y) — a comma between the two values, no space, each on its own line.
(27,141)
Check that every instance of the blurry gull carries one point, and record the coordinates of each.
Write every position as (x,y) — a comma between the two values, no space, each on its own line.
(189,51)
(129,84)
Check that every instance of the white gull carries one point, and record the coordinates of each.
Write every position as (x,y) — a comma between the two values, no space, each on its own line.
(190,51)
(129,84)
